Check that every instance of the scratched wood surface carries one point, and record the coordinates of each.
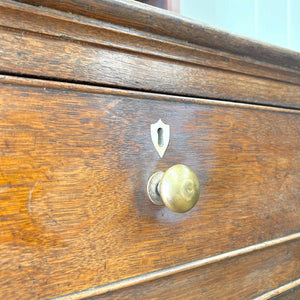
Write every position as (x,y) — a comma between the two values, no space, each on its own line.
(75,161)
(45,43)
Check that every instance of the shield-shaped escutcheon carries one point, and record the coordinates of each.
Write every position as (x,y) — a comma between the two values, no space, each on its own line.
(160,134)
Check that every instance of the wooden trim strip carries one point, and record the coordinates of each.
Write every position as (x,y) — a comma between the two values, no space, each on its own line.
(124,51)
(137,15)
(115,69)
(177,50)
(186,267)
(88,88)
(280,290)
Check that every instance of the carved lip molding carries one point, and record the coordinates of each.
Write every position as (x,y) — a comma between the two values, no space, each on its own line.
(119,43)
(151,19)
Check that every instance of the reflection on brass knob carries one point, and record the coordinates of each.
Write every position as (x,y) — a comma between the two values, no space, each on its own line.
(178,188)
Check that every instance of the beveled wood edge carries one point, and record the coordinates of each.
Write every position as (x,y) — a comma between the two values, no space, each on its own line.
(40,83)
(135,14)
(284,288)
(193,54)
(186,267)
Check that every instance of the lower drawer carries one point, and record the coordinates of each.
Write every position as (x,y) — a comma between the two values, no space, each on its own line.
(75,161)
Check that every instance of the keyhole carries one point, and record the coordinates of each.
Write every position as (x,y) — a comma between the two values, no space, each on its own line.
(160,133)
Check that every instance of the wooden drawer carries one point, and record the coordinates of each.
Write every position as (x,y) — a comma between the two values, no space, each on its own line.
(75,161)
(81,82)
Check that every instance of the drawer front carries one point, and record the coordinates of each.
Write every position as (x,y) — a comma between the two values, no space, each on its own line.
(75,162)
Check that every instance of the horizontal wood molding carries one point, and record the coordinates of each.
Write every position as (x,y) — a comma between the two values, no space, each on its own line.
(104,52)
(282,289)
(126,289)
(53,84)
(75,162)
(122,37)
(154,20)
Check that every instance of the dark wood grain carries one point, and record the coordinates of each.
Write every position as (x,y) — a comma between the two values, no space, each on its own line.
(80,29)
(154,20)
(74,166)
(83,63)
(45,43)
(75,157)
(243,277)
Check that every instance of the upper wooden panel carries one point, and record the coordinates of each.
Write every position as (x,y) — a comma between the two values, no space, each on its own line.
(75,161)
(117,49)
(150,19)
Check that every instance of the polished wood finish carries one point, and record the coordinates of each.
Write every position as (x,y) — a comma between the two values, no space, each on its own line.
(163,274)
(81,82)
(79,29)
(243,279)
(150,19)
(74,170)
(61,46)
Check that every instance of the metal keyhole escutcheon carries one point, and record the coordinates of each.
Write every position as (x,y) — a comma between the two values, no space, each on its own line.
(160,135)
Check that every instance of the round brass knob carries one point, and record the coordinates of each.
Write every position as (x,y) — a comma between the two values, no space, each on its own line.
(178,188)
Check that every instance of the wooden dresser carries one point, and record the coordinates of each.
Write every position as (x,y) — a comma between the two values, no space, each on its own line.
(81,83)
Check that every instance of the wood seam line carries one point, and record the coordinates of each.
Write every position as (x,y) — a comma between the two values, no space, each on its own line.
(290,285)
(114,91)
(180,268)
(177,58)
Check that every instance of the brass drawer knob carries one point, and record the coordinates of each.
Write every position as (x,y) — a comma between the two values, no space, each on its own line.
(178,188)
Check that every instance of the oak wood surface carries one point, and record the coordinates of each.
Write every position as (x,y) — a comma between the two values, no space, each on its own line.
(74,166)
(138,281)
(74,27)
(243,277)
(150,19)
(64,60)
(41,42)
(75,157)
